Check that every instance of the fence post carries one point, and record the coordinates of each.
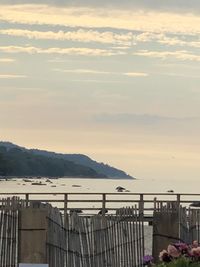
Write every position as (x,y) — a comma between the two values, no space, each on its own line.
(27,199)
(141,206)
(32,235)
(103,204)
(178,199)
(65,206)
(166,229)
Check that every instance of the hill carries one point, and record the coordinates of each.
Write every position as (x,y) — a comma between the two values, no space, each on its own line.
(19,162)
(100,169)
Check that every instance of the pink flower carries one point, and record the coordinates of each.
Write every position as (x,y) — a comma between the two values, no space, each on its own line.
(181,247)
(173,252)
(195,252)
(195,244)
(164,256)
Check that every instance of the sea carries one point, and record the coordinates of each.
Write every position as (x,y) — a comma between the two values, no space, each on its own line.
(91,185)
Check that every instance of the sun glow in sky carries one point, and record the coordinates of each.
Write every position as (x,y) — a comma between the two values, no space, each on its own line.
(116,80)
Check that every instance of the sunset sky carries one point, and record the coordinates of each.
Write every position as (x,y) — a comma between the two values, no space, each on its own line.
(116,80)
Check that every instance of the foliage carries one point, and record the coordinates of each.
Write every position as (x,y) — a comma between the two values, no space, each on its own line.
(18,162)
(177,255)
(103,170)
(180,262)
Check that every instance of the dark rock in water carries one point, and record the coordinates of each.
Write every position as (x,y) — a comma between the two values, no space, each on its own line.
(53,185)
(37,183)
(195,204)
(101,211)
(27,180)
(120,189)
(76,211)
(76,185)
(170,191)
(49,181)
(127,191)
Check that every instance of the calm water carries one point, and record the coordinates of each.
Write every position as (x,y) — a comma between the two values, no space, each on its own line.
(104,185)
(101,186)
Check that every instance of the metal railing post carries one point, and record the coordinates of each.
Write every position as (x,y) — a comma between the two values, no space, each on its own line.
(65,206)
(103,204)
(178,199)
(141,206)
(27,199)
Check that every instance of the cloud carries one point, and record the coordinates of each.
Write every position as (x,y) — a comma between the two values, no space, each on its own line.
(100,81)
(120,41)
(12,76)
(146,120)
(181,55)
(128,19)
(82,71)
(6,60)
(162,38)
(136,74)
(81,35)
(181,5)
(94,71)
(57,50)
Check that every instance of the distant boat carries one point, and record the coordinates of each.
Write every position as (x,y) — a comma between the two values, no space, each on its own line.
(170,191)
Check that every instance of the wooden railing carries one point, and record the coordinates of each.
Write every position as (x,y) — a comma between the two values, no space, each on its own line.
(106,202)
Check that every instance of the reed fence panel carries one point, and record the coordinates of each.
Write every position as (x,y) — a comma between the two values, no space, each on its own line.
(9,232)
(109,241)
(194,224)
(169,225)
(56,239)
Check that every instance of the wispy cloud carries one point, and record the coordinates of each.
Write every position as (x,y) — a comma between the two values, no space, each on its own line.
(165,39)
(12,76)
(57,50)
(7,60)
(81,35)
(120,41)
(136,74)
(137,20)
(82,71)
(180,54)
(94,71)
(144,119)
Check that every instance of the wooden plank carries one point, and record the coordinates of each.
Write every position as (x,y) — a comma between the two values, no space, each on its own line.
(1,235)
(165,230)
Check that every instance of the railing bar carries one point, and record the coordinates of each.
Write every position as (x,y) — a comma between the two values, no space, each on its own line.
(99,194)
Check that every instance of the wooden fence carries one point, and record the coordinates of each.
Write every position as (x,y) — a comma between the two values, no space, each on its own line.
(79,240)
(174,223)
(9,232)
(194,225)
(109,241)
(70,241)
(56,239)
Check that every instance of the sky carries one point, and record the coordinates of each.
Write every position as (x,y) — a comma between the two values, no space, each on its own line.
(115,80)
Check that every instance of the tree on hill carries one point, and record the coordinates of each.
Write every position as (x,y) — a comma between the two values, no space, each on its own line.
(19,162)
